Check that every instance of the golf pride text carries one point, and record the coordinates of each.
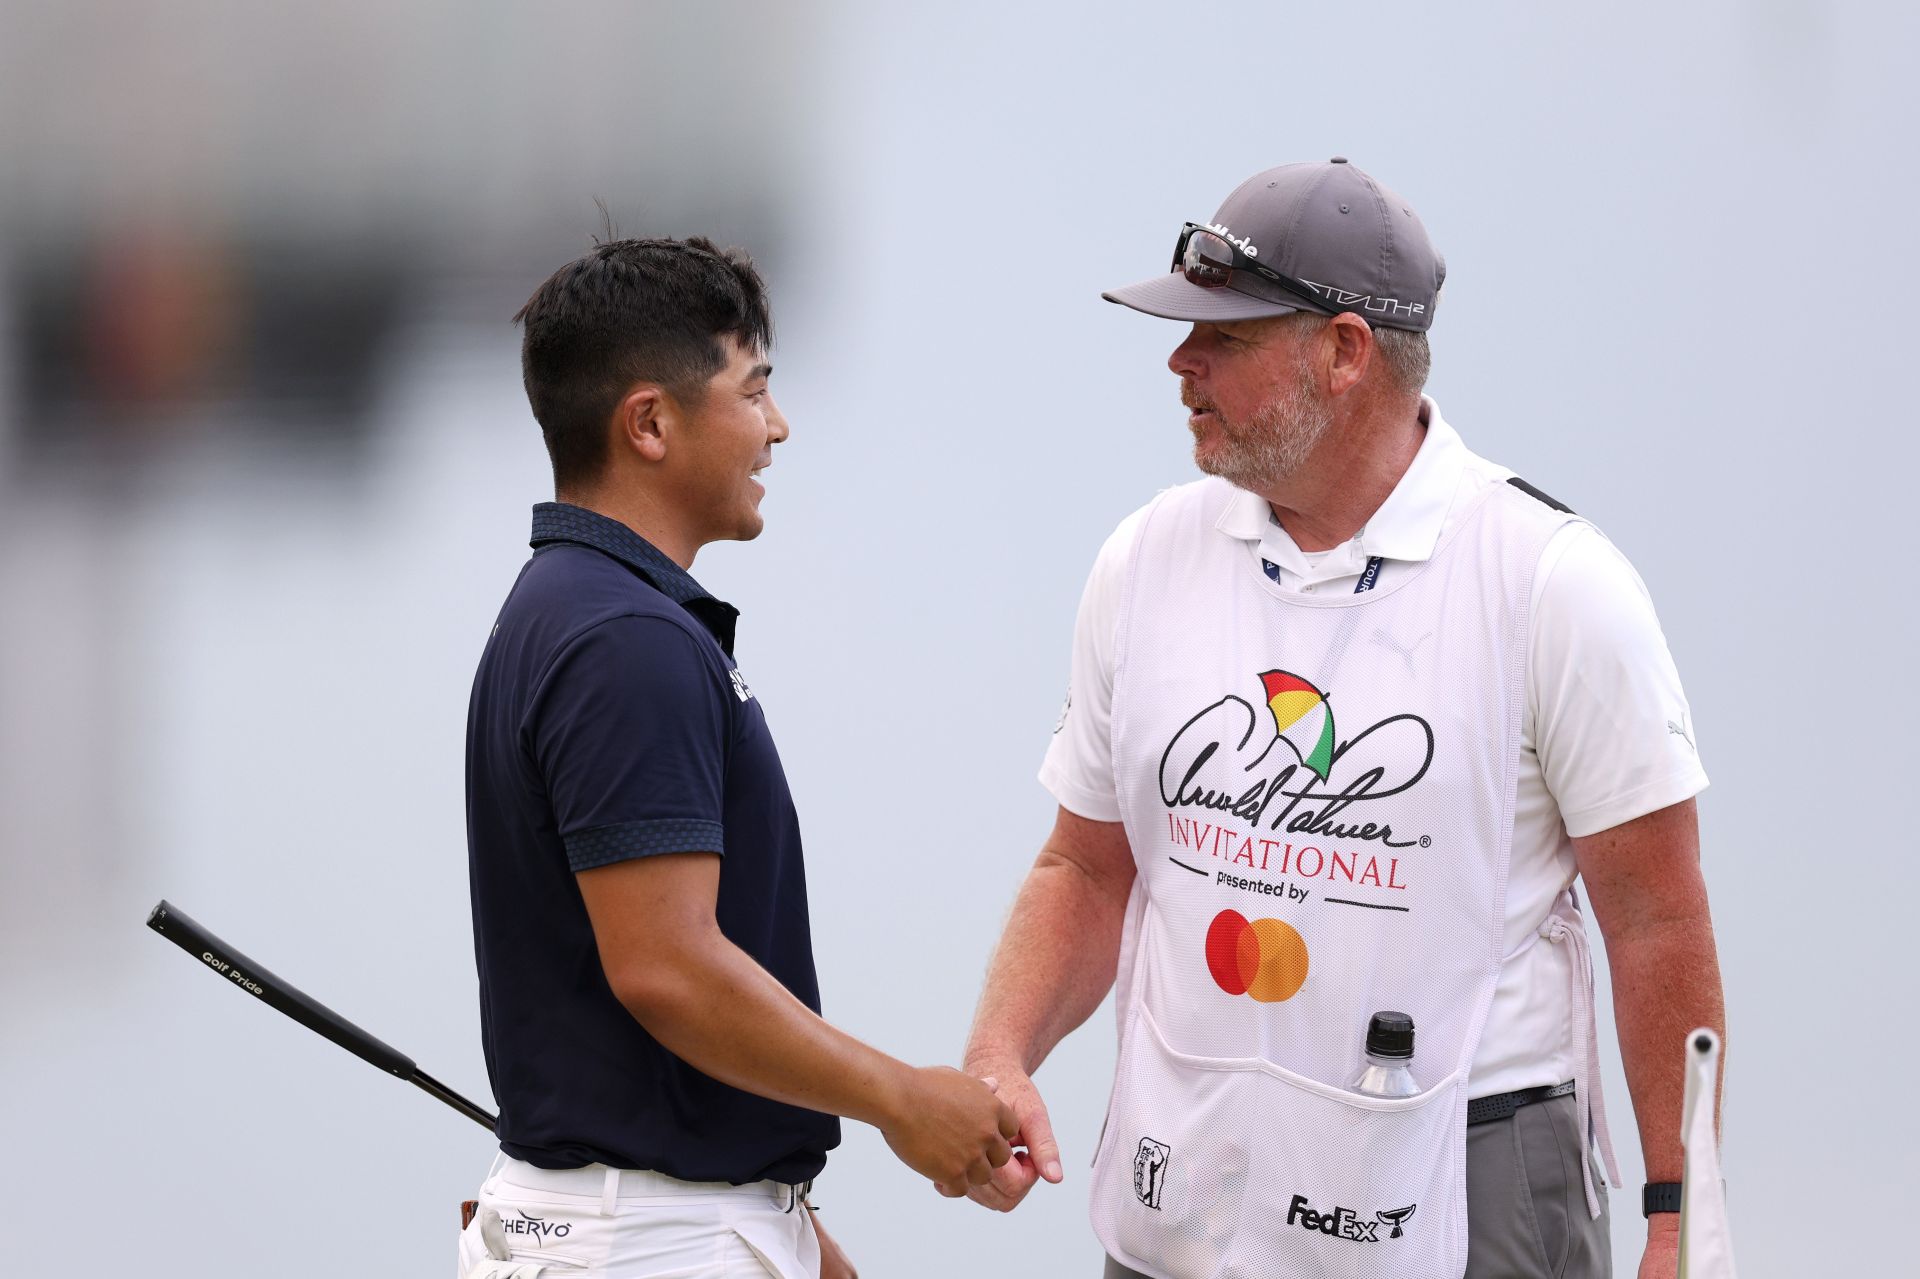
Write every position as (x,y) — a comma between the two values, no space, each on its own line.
(240,979)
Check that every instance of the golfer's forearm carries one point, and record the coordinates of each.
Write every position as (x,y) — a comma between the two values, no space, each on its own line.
(1054,964)
(717,1010)
(1666,982)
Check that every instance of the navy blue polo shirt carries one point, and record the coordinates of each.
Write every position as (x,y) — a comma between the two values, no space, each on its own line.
(609,721)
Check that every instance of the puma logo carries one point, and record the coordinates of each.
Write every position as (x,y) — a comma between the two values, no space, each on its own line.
(1406,653)
(1680,732)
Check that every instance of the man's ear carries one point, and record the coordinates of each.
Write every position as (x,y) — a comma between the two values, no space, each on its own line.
(1352,351)
(643,420)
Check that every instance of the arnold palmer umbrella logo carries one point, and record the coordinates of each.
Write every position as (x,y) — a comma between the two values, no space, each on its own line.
(1302,719)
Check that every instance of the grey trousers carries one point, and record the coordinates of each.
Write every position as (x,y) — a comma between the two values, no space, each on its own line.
(1526,1206)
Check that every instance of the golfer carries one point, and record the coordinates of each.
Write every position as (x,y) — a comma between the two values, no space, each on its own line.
(651,1018)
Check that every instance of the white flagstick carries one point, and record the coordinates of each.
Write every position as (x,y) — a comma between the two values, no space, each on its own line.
(1706,1244)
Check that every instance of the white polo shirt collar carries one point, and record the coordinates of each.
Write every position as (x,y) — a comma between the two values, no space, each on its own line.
(1406,527)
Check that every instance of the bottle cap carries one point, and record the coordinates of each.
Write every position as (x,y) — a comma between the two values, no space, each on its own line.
(1390,1035)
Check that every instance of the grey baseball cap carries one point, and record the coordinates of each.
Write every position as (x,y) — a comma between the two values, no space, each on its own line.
(1342,241)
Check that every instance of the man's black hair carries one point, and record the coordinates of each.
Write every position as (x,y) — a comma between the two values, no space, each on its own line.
(631,311)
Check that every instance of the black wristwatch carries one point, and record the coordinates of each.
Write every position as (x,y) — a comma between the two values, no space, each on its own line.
(1659,1196)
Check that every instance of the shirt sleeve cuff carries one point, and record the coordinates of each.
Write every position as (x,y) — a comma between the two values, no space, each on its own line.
(1651,798)
(624,841)
(1078,800)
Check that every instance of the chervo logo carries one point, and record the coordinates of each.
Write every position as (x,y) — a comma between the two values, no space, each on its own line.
(1345,1223)
(541,1229)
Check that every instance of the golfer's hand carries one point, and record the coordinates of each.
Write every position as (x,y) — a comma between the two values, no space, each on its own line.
(833,1262)
(1662,1257)
(1040,1157)
(951,1129)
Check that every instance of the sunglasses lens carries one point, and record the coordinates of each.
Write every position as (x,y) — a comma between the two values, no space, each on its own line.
(1207,260)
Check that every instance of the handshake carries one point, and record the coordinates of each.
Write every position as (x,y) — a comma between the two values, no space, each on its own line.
(983,1134)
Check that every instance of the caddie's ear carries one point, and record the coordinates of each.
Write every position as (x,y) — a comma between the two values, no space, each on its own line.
(642,422)
(1350,351)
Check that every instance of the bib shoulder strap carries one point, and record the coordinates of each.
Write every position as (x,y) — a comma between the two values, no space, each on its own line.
(1538,496)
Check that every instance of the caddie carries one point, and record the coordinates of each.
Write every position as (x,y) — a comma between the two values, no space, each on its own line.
(1348,720)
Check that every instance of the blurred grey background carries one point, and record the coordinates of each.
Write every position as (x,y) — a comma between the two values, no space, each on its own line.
(265,468)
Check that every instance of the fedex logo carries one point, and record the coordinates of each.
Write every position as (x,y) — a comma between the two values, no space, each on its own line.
(1345,1223)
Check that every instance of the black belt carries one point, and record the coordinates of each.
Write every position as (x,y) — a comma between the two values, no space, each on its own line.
(1483,1110)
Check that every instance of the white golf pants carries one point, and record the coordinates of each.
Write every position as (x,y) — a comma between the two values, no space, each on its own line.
(607,1223)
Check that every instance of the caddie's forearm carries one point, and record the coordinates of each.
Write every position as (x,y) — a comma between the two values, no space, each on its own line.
(720,1012)
(1054,964)
(1666,982)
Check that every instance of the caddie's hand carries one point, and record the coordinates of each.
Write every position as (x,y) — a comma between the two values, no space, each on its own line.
(1661,1260)
(833,1262)
(1038,1155)
(951,1129)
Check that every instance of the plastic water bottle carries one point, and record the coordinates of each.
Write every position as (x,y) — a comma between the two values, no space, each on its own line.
(1389,1058)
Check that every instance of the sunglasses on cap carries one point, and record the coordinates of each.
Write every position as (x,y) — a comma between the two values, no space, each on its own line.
(1212,261)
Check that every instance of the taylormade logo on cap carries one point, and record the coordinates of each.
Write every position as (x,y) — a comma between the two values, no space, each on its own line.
(1241,243)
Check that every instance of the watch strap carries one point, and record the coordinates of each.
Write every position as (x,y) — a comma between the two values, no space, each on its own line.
(1659,1196)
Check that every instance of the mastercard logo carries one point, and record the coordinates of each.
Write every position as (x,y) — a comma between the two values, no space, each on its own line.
(1264,958)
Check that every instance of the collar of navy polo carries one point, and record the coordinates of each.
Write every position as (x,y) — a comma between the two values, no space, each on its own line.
(1406,527)
(555,522)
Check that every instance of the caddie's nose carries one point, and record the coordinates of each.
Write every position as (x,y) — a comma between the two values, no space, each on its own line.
(1187,360)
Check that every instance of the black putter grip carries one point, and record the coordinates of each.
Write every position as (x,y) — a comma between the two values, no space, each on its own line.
(180,929)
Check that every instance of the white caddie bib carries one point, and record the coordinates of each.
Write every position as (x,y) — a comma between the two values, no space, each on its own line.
(1319,795)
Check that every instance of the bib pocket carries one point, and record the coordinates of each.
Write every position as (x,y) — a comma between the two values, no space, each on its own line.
(1236,1168)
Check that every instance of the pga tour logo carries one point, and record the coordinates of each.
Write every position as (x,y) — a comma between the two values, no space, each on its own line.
(1345,1223)
(1150,1171)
